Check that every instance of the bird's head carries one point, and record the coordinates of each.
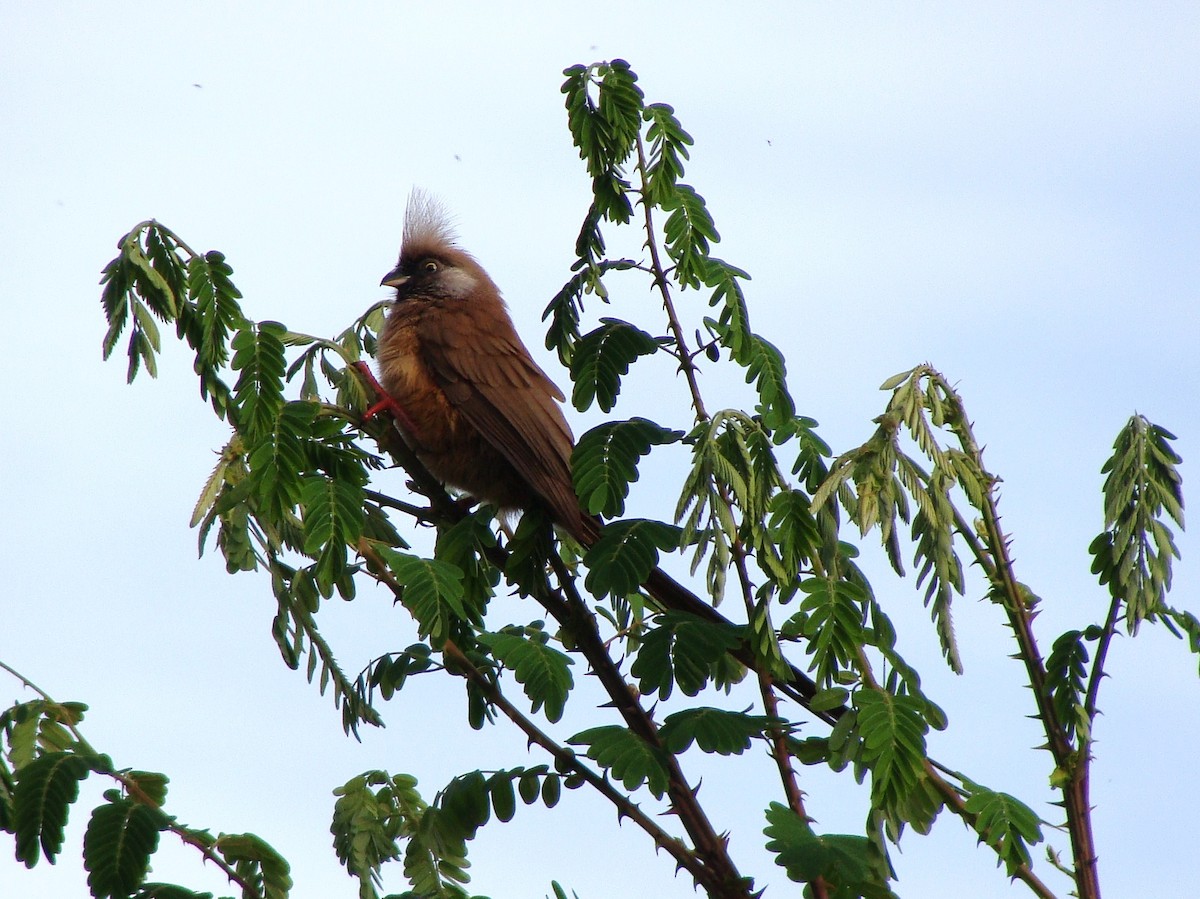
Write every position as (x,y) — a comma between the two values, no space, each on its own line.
(432,265)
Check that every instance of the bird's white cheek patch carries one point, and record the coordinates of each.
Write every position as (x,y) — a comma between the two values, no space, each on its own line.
(457,282)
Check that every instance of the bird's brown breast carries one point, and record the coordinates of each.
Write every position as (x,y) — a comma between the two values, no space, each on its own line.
(409,381)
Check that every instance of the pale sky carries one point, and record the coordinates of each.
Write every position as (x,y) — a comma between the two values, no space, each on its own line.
(1008,191)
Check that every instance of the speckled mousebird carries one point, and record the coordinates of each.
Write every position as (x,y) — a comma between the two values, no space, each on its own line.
(478,411)
(474,406)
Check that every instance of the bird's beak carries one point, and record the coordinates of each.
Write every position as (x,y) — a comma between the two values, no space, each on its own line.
(393,279)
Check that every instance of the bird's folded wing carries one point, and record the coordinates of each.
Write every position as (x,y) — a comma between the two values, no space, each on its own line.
(489,376)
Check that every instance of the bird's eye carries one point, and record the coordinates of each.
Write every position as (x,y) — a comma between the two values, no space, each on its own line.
(430,266)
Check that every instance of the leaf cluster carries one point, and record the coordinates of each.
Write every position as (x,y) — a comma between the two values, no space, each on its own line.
(43,761)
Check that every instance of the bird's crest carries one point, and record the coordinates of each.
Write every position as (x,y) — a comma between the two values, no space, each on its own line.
(427,226)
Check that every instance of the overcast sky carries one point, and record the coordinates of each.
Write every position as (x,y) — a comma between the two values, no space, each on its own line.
(1008,191)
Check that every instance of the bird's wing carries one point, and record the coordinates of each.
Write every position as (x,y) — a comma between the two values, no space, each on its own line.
(489,376)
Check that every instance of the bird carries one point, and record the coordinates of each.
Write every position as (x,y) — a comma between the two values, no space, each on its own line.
(474,406)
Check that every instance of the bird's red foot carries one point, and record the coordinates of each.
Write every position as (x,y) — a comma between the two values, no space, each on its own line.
(384,401)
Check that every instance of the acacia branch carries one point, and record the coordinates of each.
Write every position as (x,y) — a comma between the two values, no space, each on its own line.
(687,364)
(135,792)
(461,664)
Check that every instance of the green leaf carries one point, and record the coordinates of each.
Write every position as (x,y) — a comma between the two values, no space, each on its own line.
(766,369)
(794,533)
(605,129)
(210,317)
(46,788)
(120,838)
(530,783)
(683,650)
(631,759)
(893,746)
(464,545)
(605,461)
(1182,623)
(565,309)
(851,866)
(601,358)
(461,809)
(831,621)
(367,822)
(258,394)
(688,230)
(277,456)
(668,148)
(541,669)
(1066,673)
(433,592)
(167,891)
(254,859)
(621,560)
(713,730)
(503,796)
(152,784)
(333,520)
(1006,824)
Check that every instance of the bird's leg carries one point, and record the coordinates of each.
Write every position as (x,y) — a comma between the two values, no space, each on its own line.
(384,400)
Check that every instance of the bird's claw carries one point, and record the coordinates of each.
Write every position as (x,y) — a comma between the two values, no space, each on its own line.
(384,402)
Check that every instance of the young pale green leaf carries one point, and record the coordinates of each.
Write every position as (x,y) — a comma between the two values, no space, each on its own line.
(620,561)
(605,460)
(935,556)
(601,358)
(631,759)
(45,790)
(1142,487)
(117,845)
(541,669)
